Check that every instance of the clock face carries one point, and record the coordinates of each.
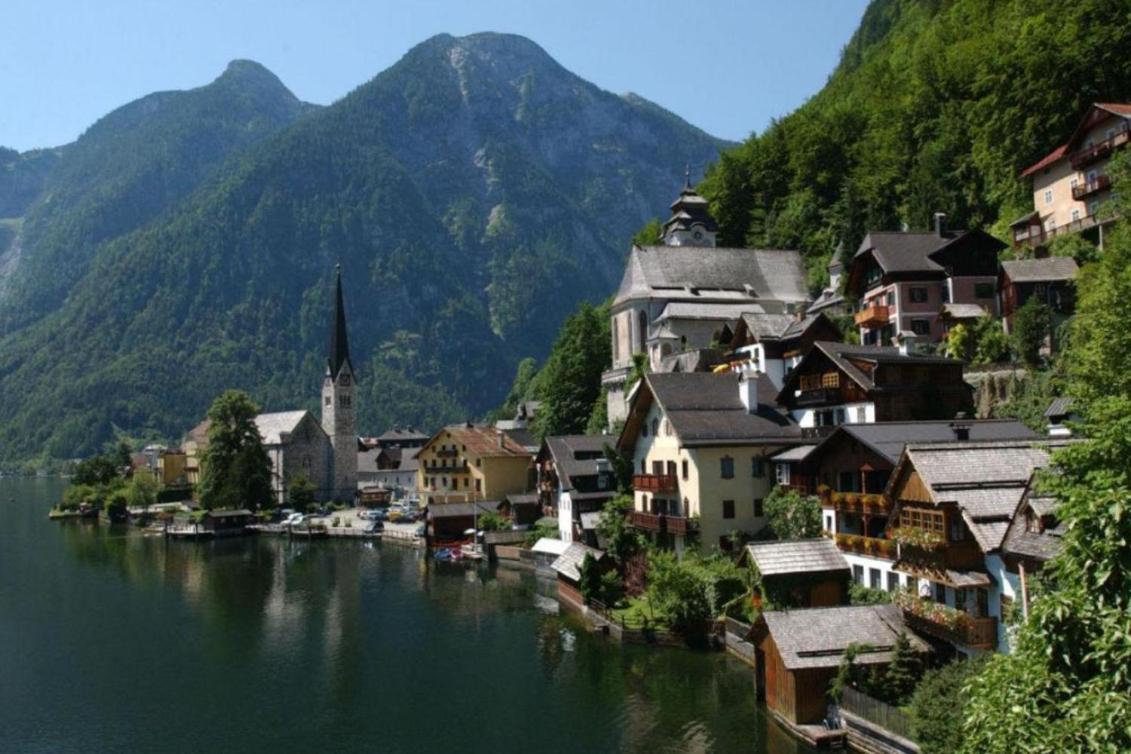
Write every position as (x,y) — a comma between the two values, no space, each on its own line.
(698,235)
(345,380)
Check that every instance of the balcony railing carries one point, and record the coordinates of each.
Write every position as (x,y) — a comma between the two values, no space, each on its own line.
(947,623)
(816,396)
(875,546)
(1038,236)
(655,483)
(1102,183)
(659,522)
(872,504)
(1098,151)
(448,468)
(446,453)
(872,315)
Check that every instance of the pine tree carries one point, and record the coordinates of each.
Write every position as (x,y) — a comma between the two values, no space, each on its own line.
(903,672)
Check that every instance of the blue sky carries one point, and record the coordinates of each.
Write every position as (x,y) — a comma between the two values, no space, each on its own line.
(728,66)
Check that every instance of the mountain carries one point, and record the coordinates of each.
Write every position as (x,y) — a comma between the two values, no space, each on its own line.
(473,193)
(935,106)
(124,171)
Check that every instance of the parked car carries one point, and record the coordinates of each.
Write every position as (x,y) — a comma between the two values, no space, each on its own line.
(374,526)
(293,519)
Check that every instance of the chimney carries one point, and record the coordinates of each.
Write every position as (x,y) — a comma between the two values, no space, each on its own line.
(961,427)
(940,224)
(748,390)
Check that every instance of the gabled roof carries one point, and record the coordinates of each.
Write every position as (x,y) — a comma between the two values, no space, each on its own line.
(888,439)
(479,440)
(1040,546)
(696,273)
(459,510)
(818,637)
(1047,270)
(963,311)
(819,555)
(842,355)
(273,426)
(397,434)
(1060,407)
(1097,112)
(565,449)
(569,562)
(713,311)
(920,252)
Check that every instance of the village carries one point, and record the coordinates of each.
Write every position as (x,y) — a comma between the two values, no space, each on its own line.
(818,459)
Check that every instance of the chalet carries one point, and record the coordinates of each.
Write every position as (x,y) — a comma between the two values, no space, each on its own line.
(1071,184)
(800,573)
(447,522)
(684,293)
(567,566)
(1049,280)
(952,504)
(838,383)
(1034,538)
(850,470)
(903,280)
(466,462)
(699,444)
(574,478)
(773,344)
(797,654)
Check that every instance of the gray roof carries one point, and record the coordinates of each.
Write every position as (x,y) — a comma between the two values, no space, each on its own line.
(841,353)
(565,449)
(889,438)
(762,325)
(713,311)
(817,637)
(400,435)
(453,510)
(948,576)
(1047,270)
(964,311)
(897,251)
(704,408)
(367,460)
(570,561)
(1059,407)
(794,455)
(818,555)
(273,426)
(697,273)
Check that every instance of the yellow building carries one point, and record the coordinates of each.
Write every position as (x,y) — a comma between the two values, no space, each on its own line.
(1071,184)
(466,462)
(172,468)
(700,444)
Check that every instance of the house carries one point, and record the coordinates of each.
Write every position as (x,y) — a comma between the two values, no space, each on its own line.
(1050,280)
(1034,538)
(466,462)
(800,573)
(545,551)
(903,279)
(850,470)
(831,301)
(952,503)
(567,566)
(683,294)
(194,443)
(172,468)
(389,468)
(1071,184)
(838,383)
(773,344)
(574,478)
(445,523)
(227,523)
(525,509)
(1059,414)
(397,437)
(797,654)
(699,443)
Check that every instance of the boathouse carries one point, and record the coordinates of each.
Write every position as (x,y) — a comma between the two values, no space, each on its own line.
(227,522)
(801,573)
(568,568)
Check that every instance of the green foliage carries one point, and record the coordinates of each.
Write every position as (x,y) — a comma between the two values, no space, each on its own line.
(1076,246)
(692,591)
(599,417)
(623,540)
(899,679)
(96,470)
(847,673)
(590,582)
(990,344)
(621,465)
(522,389)
(858,594)
(938,705)
(236,469)
(959,343)
(541,531)
(492,521)
(651,234)
(791,515)
(141,491)
(1031,325)
(570,382)
(300,493)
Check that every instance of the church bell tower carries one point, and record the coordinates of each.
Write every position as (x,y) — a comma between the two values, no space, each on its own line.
(339,419)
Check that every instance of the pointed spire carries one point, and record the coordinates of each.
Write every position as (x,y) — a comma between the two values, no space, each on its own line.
(687,176)
(339,342)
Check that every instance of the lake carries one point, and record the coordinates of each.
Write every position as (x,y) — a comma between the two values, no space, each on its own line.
(114,641)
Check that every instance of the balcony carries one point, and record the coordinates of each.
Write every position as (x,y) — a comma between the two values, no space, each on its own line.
(1102,183)
(446,453)
(1098,151)
(817,396)
(661,523)
(872,316)
(871,546)
(871,504)
(655,483)
(448,468)
(946,623)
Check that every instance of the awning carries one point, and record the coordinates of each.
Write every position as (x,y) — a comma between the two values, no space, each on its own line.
(955,579)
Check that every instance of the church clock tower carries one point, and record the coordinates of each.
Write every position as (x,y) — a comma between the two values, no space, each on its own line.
(338,408)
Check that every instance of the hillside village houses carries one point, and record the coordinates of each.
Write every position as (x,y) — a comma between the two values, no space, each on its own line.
(1071,183)
(465,463)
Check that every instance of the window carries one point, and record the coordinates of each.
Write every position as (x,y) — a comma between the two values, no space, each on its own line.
(921,326)
(655,428)
(1074,183)
(479,462)
(874,578)
(759,508)
(466,482)
(643,466)
(685,470)
(940,593)
(728,509)
(671,469)
(846,481)
(1093,207)
(829,523)
(344,401)
(757,467)
(858,574)
(861,415)
(1048,196)
(781,473)
(983,290)
(830,380)
(328,400)
(839,414)
(657,468)
(1075,215)
(918,295)
(893,581)
(726,467)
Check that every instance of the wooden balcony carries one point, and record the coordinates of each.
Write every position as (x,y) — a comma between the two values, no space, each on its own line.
(680,525)
(952,625)
(655,483)
(661,523)
(864,503)
(647,521)
(871,546)
(817,396)
(1102,183)
(1098,151)
(871,316)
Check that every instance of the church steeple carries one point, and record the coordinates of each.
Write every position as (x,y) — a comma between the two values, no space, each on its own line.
(339,352)
(691,223)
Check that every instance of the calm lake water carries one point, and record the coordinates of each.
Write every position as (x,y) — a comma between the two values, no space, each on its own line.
(113,641)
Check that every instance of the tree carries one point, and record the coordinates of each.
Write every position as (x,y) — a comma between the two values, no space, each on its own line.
(570,382)
(651,234)
(622,538)
(792,515)
(237,471)
(675,591)
(141,492)
(590,582)
(95,471)
(301,493)
(938,705)
(959,344)
(599,417)
(902,674)
(1031,325)
(991,344)
(492,521)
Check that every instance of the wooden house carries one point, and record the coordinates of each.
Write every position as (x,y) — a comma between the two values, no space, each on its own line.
(800,573)
(227,522)
(567,566)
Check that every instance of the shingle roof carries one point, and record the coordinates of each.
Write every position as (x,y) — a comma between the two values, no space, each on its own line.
(964,311)
(272,426)
(817,637)
(794,455)
(905,252)
(565,450)
(479,440)
(705,408)
(715,311)
(665,271)
(400,435)
(842,355)
(762,325)
(797,556)
(1059,407)
(550,546)
(454,510)
(889,438)
(570,561)
(1049,269)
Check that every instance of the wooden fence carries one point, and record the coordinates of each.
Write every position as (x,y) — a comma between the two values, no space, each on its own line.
(876,712)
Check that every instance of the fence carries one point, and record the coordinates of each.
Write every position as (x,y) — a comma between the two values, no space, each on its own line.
(876,712)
